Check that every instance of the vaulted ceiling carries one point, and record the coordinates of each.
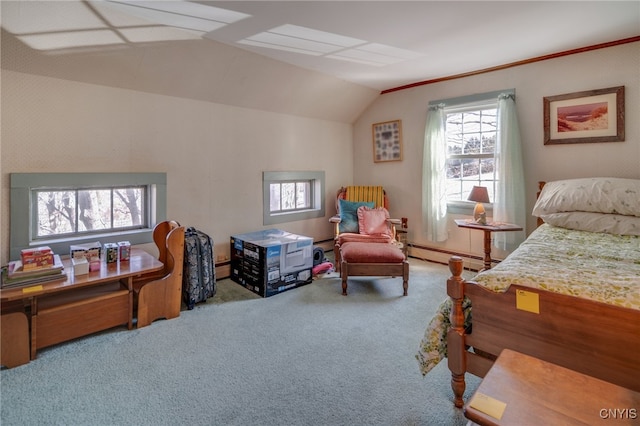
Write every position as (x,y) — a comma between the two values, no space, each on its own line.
(375,45)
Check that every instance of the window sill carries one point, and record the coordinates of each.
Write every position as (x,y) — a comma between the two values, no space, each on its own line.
(61,245)
(466,208)
(276,218)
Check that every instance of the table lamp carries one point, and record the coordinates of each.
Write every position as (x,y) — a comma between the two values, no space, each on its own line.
(480,195)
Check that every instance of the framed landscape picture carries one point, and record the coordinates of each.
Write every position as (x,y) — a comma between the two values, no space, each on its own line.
(583,117)
(387,141)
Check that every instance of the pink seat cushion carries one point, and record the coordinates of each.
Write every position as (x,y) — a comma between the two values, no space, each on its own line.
(357,252)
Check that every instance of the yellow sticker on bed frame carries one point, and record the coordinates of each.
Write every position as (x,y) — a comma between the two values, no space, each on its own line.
(527,301)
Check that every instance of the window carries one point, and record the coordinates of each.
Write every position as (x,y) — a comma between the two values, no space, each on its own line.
(291,196)
(470,137)
(74,208)
(471,143)
(75,211)
(472,140)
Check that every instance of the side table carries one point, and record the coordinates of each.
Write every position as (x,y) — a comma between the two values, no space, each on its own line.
(488,229)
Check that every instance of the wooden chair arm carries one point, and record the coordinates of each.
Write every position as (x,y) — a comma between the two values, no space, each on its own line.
(336,221)
(393,223)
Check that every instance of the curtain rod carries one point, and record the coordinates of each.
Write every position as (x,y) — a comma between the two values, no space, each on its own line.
(477,97)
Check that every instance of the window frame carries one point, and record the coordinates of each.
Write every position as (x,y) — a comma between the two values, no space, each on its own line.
(308,202)
(317,185)
(35,225)
(465,104)
(22,185)
(462,205)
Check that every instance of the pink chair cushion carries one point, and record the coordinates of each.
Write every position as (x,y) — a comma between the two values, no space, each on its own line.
(373,221)
(358,252)
(350,237)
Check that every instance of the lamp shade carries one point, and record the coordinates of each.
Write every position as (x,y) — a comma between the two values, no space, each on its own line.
(479,194)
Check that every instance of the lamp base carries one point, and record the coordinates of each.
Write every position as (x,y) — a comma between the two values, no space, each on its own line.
(479,215)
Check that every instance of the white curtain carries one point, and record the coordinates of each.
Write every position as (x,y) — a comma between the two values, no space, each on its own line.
(510,201)
(434,196)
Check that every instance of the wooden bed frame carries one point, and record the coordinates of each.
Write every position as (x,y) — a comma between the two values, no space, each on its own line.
(590,337)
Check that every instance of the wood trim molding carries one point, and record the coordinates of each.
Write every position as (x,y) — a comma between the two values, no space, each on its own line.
(517,63)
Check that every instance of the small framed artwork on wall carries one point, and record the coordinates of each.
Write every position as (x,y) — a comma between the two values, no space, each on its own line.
(387,141)
(582,117)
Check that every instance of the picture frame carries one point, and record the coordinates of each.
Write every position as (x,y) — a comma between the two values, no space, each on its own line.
(584,117)
(387,141)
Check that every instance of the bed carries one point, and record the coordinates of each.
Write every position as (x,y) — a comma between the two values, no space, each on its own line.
(570,294)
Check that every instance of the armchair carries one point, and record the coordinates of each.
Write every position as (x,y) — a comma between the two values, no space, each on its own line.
(365,236)
(350,198)
(362,216)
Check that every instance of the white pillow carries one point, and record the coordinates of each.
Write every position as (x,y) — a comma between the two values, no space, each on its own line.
(595,222)
(598,195)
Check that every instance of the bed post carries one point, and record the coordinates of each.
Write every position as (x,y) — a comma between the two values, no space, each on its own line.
(541,184)
(455,336)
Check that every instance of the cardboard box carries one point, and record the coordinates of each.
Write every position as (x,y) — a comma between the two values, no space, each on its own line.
(110,252)
(124,248)
(94,264)
(31,253)
(80,265)
(88,250)
(37,262)
(271,261)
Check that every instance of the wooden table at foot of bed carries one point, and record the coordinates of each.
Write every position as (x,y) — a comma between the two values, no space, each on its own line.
(522,390)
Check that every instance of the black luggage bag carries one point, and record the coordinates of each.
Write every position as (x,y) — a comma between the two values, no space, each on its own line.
(199,274)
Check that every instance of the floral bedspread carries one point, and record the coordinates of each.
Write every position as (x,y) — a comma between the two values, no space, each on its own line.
(601,267)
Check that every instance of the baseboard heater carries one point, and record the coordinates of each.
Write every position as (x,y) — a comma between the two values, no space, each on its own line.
(442,256)
(417,251)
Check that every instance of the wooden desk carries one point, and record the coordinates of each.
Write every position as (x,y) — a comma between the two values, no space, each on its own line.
(75,306)
(539,393)
(488,229)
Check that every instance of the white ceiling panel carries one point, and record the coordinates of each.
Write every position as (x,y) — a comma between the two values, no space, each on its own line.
(377,44)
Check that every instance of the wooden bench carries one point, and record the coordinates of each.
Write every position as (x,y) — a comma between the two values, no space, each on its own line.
(161,297)
(14,335)
(522,390)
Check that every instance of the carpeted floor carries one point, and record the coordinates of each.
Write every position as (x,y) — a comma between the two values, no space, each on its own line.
(308,356)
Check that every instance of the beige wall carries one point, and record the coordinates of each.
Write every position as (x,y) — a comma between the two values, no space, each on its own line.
(213,154)
(615,66)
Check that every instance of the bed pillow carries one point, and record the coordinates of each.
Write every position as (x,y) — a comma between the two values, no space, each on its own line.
(598,195)
(595,222)
(349,214)
(373,221)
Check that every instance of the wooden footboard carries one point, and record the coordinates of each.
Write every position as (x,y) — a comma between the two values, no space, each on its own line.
(590,337)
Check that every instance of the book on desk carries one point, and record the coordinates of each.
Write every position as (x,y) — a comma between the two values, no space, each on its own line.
(14,275)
